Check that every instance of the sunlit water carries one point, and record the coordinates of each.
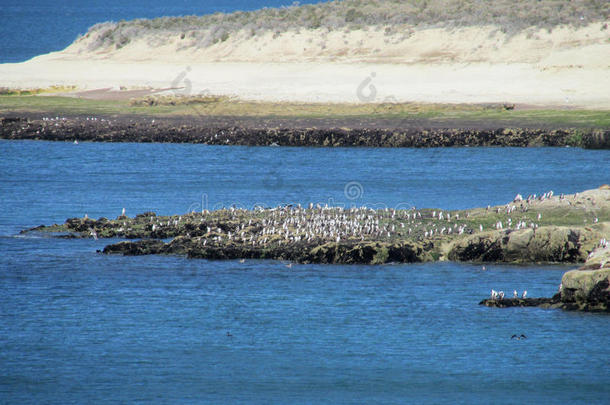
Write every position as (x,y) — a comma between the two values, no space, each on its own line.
(80,327)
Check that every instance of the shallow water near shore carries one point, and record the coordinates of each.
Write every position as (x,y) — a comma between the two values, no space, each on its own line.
(82,327)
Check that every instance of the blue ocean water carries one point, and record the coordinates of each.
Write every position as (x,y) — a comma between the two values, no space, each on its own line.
(32,27)
(80,327)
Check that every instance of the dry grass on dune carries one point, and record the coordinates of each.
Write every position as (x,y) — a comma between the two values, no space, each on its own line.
(396,16)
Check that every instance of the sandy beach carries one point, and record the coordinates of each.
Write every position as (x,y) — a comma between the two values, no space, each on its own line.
(565,68)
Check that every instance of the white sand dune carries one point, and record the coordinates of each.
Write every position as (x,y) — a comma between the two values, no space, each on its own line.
(567,67)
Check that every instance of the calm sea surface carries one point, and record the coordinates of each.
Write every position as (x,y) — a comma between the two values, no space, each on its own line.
(79,327)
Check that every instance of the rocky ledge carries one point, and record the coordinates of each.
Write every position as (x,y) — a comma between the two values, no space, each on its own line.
(331,252)
(522,231)
(521,302)
(229,131)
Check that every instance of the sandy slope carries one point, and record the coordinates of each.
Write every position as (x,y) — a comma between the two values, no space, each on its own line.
(567,67)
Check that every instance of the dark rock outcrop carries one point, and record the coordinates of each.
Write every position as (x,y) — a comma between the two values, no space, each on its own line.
(142,247)
(226,131)
(347,253)
(521,302)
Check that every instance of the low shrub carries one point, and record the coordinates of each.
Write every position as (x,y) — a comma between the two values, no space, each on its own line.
(511,16)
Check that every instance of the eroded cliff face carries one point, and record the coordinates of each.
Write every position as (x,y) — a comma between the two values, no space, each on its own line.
(544,244)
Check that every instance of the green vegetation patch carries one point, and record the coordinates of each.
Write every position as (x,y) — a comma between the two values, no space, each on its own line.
(449,115)
(5,91)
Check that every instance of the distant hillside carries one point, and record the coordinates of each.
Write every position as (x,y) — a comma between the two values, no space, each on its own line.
(395,17)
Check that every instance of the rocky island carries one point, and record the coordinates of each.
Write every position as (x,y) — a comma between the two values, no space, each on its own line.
(545,228)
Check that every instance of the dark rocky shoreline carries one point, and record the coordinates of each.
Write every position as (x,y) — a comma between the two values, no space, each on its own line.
(285,132)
